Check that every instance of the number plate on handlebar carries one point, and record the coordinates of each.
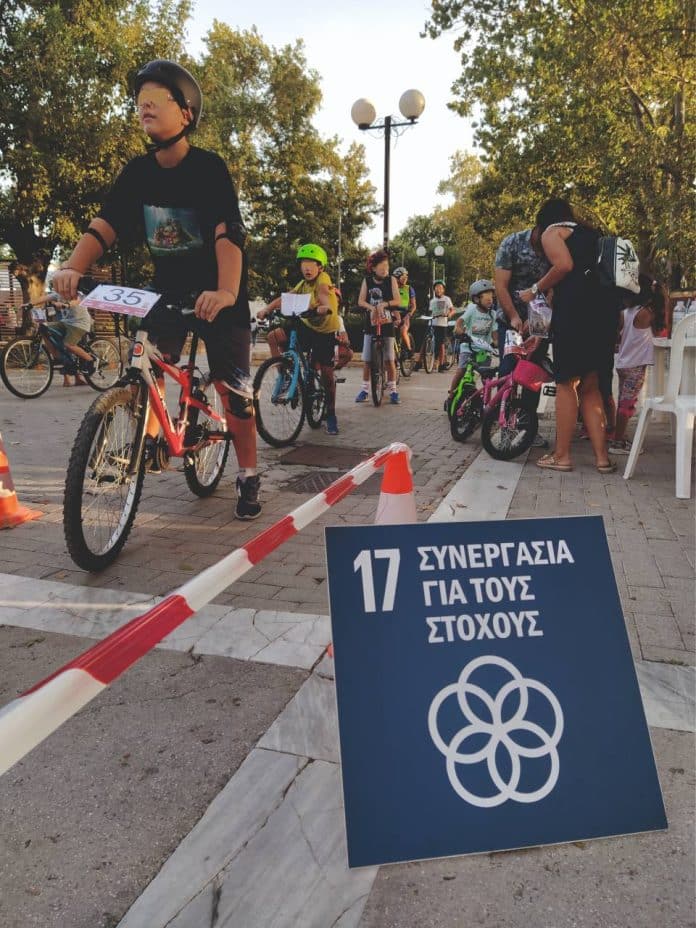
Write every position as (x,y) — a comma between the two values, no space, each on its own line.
(124,300)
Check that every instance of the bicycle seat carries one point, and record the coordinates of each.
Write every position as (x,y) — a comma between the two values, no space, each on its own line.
(486,372)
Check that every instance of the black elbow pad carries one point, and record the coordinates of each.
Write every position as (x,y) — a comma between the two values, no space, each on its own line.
(236,233)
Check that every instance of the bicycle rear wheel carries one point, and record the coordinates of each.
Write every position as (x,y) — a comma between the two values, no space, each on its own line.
(203,467)
(377,379)
(405,362)
(516,434)
(429,353)
(466,418)
(105,477)
(26,368)
(315,401)
(279,417)
(449,354)
(108,366)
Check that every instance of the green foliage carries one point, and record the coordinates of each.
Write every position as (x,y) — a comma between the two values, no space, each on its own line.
(586,99)
(66,125)
(293,184)
(468,254)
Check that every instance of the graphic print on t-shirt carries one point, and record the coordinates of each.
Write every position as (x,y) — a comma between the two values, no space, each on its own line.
(172,230)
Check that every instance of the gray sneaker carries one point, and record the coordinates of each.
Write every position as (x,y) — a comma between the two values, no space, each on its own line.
(539,442)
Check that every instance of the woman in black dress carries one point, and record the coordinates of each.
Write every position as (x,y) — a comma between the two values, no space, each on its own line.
(583,327)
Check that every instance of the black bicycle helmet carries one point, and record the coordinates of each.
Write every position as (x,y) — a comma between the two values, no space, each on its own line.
(183,86)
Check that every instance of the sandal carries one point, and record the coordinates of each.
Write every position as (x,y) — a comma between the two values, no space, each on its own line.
(609,468)
(549,462)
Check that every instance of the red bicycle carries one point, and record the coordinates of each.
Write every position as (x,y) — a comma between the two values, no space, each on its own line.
(107,464)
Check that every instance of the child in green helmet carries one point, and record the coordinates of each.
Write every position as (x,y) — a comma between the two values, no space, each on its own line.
(318,332)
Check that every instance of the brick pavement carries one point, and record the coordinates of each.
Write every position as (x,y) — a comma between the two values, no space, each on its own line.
(651,538)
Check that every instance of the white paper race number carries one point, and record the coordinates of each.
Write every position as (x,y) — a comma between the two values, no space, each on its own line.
(124,300)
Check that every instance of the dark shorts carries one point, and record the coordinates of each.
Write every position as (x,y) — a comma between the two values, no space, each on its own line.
(439,331)
(227,339)
(320,345)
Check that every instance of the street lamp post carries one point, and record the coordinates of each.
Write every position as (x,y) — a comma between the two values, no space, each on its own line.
(363,114)
(438,252)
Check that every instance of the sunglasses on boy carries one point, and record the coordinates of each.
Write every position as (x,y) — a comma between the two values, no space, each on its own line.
(153,99)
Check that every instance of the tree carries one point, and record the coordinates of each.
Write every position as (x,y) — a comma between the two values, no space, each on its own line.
(587,99)
(66,125)
(469,254)
(293,184)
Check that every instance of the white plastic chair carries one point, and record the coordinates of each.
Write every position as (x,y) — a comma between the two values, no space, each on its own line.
(681,405)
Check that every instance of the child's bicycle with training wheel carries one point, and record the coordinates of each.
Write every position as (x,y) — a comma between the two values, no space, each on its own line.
(508,425)
(107,463)
(288,390)
(478,362)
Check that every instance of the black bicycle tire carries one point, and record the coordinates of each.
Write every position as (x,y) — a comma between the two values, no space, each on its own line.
(429,352)
(191,474)
(464,425)
(90,377)
(77,545)
(377,374)
(405,362)
(261,426)
(490,421)
(312,390)
(6,380)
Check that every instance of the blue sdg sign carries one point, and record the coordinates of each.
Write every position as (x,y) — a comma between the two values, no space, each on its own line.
(487,697)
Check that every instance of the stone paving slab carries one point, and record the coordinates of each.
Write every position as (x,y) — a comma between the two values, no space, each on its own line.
(92,813)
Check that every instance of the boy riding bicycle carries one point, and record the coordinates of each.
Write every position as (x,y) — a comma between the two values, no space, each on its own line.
(62,337)
(182,200)
(379,294)
(317,335)
(406,308)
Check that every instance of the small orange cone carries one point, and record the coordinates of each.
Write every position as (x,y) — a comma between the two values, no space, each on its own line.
(397,504)
(11,513)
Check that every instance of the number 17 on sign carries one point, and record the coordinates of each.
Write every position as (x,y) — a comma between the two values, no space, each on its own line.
(363,564)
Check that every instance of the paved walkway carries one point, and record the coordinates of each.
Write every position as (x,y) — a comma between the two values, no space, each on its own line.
(267,848)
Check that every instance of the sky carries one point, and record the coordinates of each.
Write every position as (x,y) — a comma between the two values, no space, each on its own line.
(367,48)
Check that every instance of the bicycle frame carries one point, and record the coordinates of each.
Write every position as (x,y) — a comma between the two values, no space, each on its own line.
(145,356)
(293,353)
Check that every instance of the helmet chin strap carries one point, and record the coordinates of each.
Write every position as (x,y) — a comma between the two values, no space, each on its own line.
(167,143)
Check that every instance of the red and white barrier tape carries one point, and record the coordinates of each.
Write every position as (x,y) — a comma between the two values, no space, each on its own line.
(30,718)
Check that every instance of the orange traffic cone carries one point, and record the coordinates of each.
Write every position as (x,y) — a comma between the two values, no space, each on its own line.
(11,513)
(397,505)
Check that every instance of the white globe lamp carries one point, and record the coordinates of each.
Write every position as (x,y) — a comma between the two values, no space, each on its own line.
(363,113)
(411,104)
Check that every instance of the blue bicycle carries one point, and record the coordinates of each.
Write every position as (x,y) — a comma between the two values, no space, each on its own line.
(287,390)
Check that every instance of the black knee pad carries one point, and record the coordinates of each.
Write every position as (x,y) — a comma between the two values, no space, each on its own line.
(240,406)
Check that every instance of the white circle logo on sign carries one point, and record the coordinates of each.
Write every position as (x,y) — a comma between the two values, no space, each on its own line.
(499,732)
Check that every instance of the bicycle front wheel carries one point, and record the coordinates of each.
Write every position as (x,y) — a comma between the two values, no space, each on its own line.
(280,410)
(515,435)
(405,362)
(108,366)
(466,418)
(105,478)
(315,401)
(203,467)
(26,368)
(377,380)
(429,353)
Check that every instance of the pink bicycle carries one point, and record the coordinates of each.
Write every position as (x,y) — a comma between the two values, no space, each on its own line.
(508,426)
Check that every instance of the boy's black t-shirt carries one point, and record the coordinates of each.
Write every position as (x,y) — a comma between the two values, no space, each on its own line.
(176,211)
